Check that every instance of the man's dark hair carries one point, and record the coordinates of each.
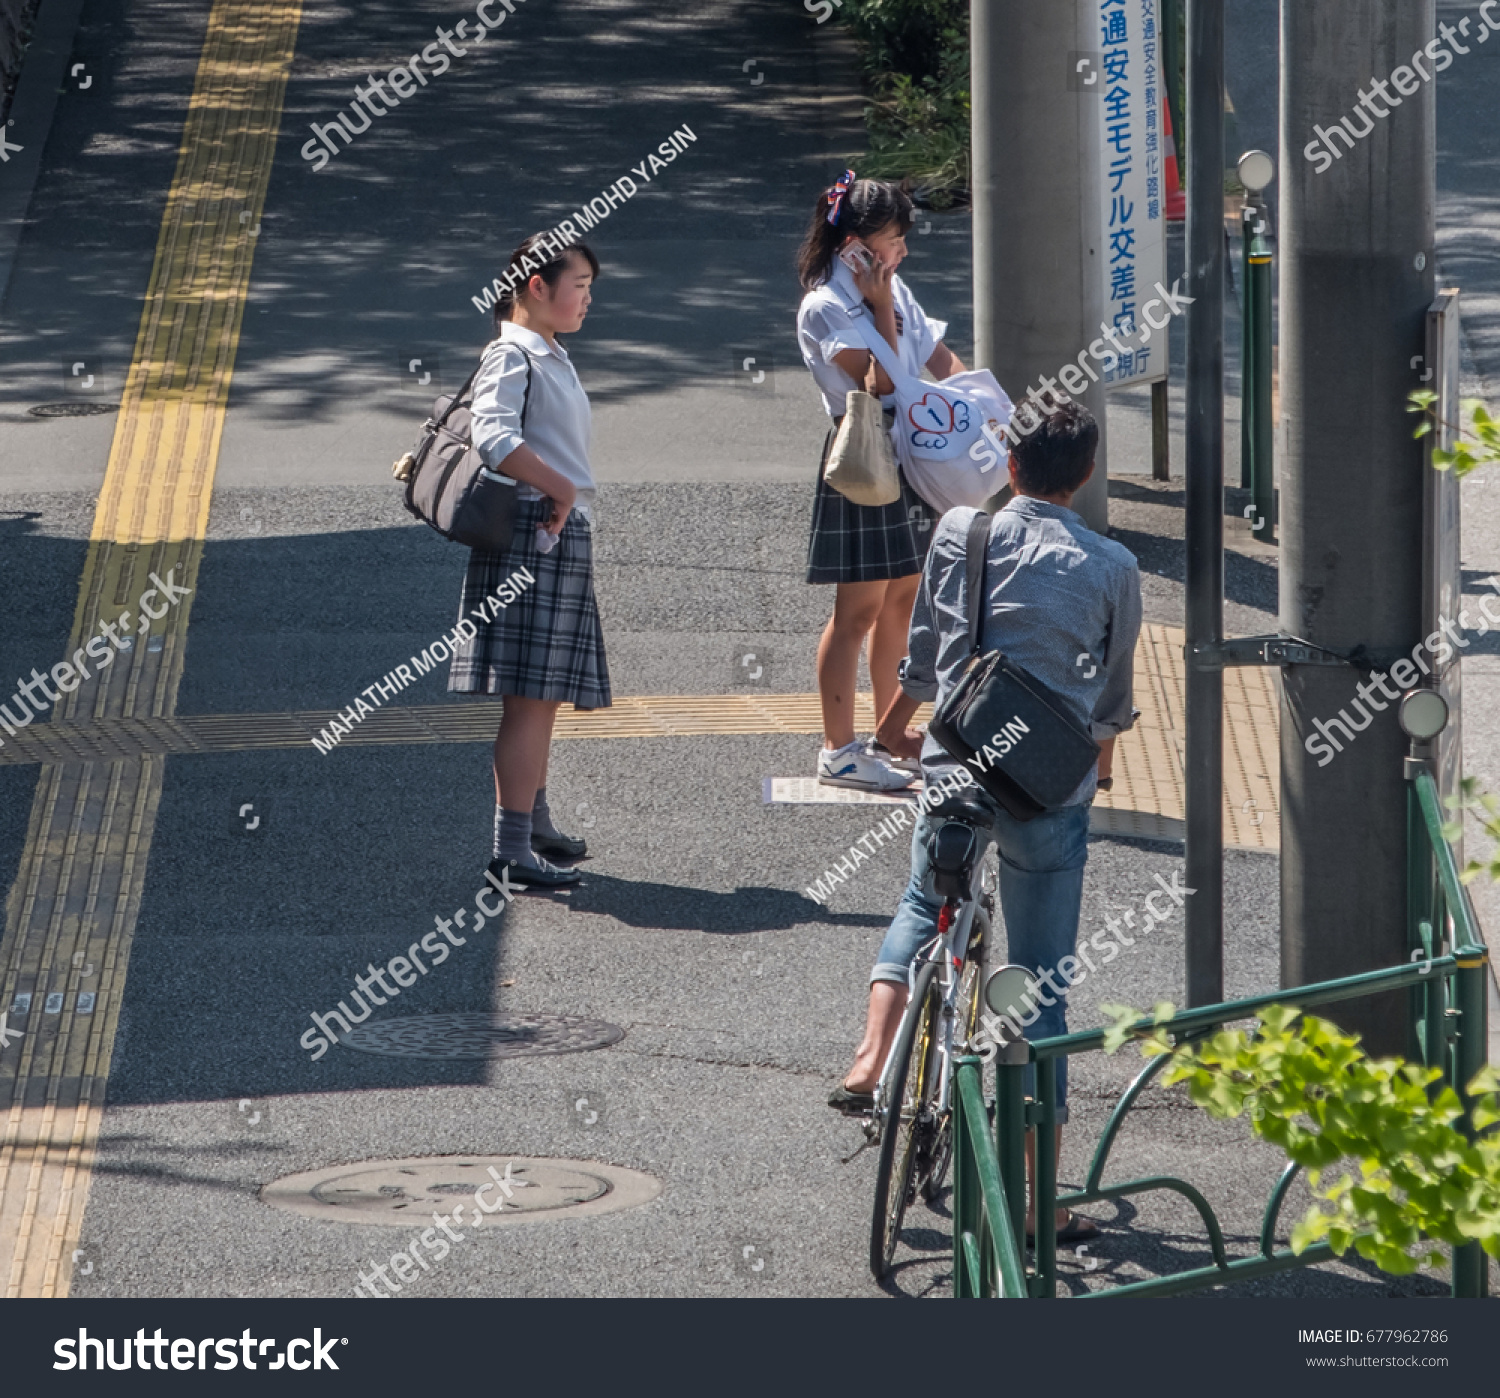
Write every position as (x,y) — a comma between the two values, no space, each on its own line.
(1054,457)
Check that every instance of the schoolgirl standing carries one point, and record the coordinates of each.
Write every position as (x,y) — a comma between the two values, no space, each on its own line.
(531,422)
(872,553)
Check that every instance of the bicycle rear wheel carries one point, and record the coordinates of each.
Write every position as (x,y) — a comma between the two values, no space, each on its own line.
(930,1181)
(908,1117)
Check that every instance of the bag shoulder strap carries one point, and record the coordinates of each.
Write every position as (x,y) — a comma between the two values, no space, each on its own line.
(976,550)
(526,397)
(877,344)
(463,393)
(530,365)
(459,397)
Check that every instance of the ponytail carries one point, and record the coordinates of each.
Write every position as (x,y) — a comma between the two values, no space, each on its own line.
(850,207)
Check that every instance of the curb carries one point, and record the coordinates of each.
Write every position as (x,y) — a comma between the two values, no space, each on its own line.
(31,112)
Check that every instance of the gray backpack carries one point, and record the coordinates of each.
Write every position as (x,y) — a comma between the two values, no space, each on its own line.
(447,484)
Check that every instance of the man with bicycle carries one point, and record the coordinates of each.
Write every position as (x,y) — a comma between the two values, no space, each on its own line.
(1064,604)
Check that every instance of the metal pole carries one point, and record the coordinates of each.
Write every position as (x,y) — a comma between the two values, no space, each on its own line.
(1205,501)
(1248,365)
(1161,429)
(1010,1142)
(1357,233)
(1423,1034)
(965,1200)
(1470,1268)
(1045,1212)
(1257,405)
(1037,133)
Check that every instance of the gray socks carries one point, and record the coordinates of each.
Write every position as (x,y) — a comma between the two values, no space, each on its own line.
(541,816)
(514,829)
(513,836)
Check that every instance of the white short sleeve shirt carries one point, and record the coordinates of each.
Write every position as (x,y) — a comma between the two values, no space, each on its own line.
(824,327)
(558,419)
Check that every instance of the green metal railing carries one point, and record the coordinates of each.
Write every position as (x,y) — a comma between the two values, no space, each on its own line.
(986,1253)
(1449,1010)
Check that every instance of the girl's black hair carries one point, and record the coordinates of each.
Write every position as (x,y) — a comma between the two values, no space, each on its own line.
(869,206)
(547,264)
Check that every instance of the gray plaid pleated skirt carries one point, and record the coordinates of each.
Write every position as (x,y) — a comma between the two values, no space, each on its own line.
(866,543)
(547,643)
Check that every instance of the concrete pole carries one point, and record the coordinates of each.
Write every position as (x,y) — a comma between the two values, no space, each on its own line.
(1204,761)
(1038,278)
(1357,279)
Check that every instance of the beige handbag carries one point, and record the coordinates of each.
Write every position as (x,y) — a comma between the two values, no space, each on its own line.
(861,465)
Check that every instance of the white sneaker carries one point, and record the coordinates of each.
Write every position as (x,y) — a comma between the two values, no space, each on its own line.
(901,764)
(853,766)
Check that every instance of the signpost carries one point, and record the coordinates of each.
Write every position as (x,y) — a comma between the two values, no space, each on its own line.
(1134,192)
(1134,68)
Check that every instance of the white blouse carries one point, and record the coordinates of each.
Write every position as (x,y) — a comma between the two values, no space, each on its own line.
(824,328)
(558,421)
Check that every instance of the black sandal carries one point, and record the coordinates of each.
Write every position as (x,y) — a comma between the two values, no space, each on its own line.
(841,1099)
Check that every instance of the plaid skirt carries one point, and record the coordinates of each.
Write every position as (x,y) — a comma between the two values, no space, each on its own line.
(866,543)
(547,643)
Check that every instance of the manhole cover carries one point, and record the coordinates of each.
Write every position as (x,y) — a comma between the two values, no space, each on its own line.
(406,1193)
(72,409)
(474,1034)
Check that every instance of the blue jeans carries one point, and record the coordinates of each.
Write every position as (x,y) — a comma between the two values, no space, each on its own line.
(1041,895)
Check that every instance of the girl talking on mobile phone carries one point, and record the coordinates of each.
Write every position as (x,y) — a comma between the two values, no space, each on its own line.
(872,553)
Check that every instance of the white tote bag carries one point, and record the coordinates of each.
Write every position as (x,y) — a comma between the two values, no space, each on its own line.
(939,427)
(862,462)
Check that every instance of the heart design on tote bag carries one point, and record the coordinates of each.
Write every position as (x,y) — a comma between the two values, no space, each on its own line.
(932,413)
(936,439)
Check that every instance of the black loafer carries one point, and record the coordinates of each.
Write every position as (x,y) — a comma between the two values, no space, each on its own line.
(542,875)
(559,846)
(851,1103)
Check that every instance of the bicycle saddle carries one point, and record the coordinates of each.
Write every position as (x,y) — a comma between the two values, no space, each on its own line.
(969,805)
(954,847)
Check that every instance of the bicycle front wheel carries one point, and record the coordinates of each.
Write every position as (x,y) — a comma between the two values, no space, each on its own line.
(907,1117)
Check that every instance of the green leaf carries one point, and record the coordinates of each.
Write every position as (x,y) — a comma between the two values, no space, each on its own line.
(1487,1079)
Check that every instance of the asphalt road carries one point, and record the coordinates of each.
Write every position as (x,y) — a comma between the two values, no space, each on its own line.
(739,997)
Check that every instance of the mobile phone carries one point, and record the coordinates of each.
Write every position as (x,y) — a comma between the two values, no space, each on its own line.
(856,257)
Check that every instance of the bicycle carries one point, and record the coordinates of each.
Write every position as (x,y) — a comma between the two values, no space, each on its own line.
(914,1094)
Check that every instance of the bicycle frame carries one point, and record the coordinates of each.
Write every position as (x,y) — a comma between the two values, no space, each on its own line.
(949,949)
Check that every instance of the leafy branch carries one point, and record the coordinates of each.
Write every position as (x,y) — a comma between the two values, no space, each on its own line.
(1308,1088)
(1463,458)
(1487,807)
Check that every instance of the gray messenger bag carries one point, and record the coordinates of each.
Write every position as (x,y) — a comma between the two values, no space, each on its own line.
(447,484)
(1004,724)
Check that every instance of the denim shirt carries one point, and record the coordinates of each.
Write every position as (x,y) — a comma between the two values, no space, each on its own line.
(1062,602)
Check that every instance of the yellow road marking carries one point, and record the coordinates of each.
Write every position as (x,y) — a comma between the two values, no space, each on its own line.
(71,914)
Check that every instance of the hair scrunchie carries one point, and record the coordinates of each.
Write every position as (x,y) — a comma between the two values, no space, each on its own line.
(835,195)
